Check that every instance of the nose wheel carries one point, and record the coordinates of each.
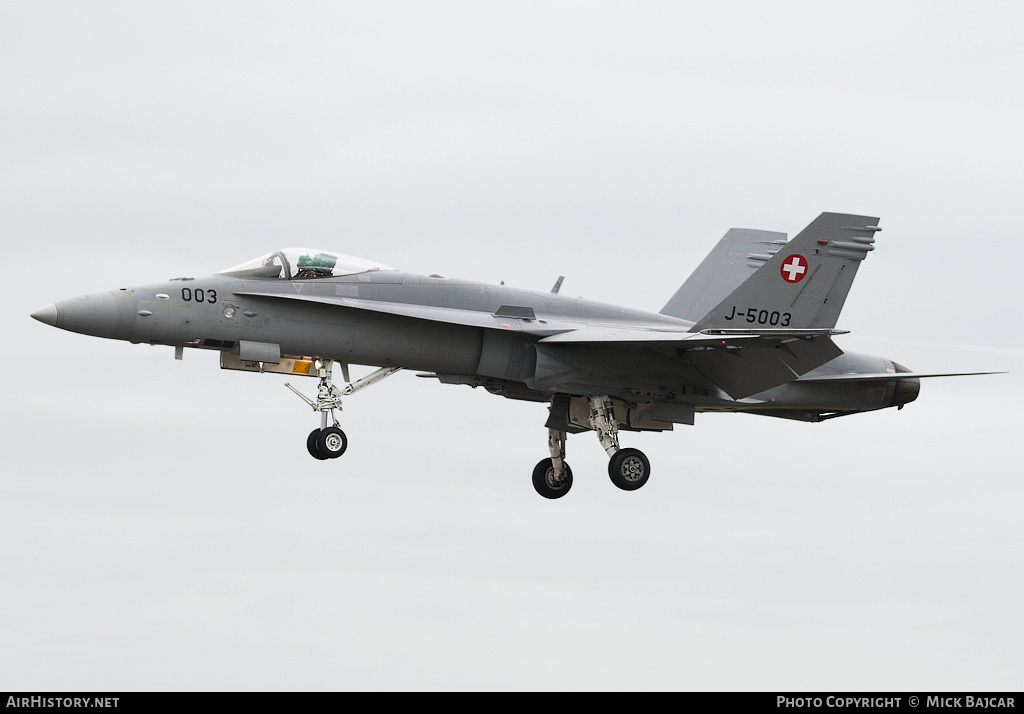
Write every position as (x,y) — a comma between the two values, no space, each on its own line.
(329,443)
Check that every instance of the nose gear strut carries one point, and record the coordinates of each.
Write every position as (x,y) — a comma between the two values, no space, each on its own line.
(330,442)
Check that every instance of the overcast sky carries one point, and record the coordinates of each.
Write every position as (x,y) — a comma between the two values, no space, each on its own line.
(161,524)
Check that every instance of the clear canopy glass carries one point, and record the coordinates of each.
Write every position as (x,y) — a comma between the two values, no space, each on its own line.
(303,264)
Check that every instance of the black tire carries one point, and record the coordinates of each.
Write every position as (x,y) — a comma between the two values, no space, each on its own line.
(544,479)
(331,442)
(629,469)
(311,445)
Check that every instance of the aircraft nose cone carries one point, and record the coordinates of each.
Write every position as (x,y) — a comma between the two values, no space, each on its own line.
(110,314)
(47,315)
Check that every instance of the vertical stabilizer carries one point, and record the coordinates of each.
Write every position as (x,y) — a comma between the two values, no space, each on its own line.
(805,284)
(736,256)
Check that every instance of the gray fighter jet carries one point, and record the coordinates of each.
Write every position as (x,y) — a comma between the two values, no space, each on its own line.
(751,330)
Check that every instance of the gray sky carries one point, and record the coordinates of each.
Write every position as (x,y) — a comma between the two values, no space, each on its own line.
(161,525)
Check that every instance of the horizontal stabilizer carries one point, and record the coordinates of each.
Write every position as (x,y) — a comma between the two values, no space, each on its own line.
(878,376)
(762,364)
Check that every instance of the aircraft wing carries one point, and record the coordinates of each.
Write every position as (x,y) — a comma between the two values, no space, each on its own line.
(636,333)
(597,333)
(740,362)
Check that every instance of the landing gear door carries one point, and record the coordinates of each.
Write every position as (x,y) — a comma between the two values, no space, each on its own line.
(303,366)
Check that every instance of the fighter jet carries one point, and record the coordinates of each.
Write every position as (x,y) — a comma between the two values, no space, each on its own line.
(749,331)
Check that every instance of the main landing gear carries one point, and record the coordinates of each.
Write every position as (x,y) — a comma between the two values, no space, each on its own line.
(552,477)
(330,442)
(628,468)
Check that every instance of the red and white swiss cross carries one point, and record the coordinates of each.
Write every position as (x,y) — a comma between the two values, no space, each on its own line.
(794,268)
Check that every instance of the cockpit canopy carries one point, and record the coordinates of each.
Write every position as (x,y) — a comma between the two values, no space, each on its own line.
(303,264)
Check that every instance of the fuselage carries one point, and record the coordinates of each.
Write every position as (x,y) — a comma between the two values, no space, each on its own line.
(377,318)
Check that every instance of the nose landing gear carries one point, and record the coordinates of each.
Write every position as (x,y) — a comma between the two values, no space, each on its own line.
(330,442)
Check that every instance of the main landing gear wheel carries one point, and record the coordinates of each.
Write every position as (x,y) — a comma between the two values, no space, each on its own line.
(545,482)
(331,442)
(629,469)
